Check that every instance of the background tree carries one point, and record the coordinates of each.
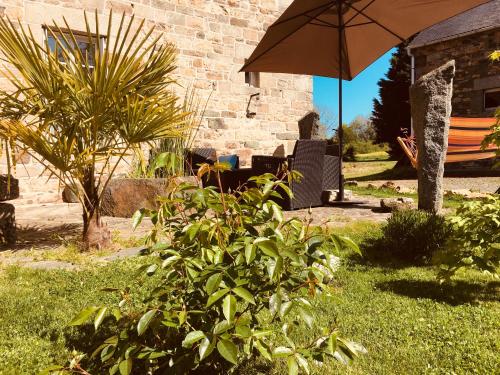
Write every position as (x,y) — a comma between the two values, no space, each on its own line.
(79,113)
(391,114)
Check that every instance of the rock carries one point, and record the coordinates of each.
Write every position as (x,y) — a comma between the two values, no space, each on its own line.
(9,188)
(405,190)
(125,196)
(8,234)
(396,204)
(466,194)
(68,196)
(351,183)
(309,126)
(331,196)
(389,185)
(371,186)
(430,99)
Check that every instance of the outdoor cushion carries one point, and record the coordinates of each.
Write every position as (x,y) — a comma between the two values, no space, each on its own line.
(232,160)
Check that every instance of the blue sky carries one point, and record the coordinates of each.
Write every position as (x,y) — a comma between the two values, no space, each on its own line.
(357,94)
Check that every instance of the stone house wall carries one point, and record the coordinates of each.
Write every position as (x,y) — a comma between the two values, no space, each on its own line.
(213,38)
(475,73)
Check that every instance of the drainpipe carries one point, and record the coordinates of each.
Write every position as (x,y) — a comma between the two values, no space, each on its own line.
(412,75)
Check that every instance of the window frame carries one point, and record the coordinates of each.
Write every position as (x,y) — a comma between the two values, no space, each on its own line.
(497,89)
(76,33)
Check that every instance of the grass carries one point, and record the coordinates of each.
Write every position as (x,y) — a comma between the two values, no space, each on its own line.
(409,323)
(356,170)
(372,156)
(451,202)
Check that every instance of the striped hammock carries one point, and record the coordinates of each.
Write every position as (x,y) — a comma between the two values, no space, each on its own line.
(464,141)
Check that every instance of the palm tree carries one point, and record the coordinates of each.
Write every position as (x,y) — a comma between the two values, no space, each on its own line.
(80,111)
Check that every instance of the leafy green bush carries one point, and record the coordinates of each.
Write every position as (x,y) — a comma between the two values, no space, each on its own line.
(410,236)
(475,241)
(237,281)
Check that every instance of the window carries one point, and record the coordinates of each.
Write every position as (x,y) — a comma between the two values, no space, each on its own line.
(86,47)
(492,99)
(252,78)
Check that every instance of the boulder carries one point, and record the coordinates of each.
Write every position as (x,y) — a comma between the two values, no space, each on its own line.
(466,194)
(7,224)
(389,185)
(396,204)
(9,188)
(430,99)
(69,196)
(124,196)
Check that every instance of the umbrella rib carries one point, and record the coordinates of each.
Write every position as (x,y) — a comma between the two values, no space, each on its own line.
(357,12)
(360,24)
(303,13)
(379,24)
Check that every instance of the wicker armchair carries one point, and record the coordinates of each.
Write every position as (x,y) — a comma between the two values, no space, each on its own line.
(197,156)
(308,159)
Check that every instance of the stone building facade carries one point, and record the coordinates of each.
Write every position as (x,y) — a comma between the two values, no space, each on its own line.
(469,39)
(246,114)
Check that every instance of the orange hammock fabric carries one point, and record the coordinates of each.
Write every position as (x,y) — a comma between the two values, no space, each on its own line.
(464,141)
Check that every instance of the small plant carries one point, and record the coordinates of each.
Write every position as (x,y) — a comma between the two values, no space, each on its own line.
(235,280)
(80,118)
(410,236)
(475,240)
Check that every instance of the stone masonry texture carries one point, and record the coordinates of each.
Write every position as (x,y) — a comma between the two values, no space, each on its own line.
(213,38)
(475,73)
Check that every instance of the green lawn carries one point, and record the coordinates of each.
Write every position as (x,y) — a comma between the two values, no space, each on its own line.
(448,202)
(408,322)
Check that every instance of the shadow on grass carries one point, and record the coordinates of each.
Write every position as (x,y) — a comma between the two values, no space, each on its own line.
(43,236)
(453,293)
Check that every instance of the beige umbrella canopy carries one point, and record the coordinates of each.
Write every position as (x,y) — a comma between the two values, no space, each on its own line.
(305,39)
(326,37)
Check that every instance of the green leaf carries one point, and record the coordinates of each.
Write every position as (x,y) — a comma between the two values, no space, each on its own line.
(228,351)
(302,363)
(250,253)
(83,316)
(350,244)
(137,218)
(277,213)
(150,271)
(216,296)
(307,316)
(206,348)
(293,367)
(267,246)
(285,308)
(275,303)
(229,307)
(213,283)
(125,366)
(245,294)
(192,337)
(222,327)
(282,351)
(274,267)
(100,317)
(145,321)
(263,349)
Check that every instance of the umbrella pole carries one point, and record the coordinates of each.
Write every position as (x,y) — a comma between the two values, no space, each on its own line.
(340,129)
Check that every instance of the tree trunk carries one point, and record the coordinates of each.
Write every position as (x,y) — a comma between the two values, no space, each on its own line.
(96,234)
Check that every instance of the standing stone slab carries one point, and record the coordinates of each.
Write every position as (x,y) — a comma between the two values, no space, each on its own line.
(7,224)
(430,98)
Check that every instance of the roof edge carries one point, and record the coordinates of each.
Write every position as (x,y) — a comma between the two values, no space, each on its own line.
(456,36)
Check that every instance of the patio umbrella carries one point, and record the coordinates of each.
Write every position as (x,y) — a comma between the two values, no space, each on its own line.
(340,38)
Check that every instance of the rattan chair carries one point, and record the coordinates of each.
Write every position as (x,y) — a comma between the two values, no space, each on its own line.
(308,159)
